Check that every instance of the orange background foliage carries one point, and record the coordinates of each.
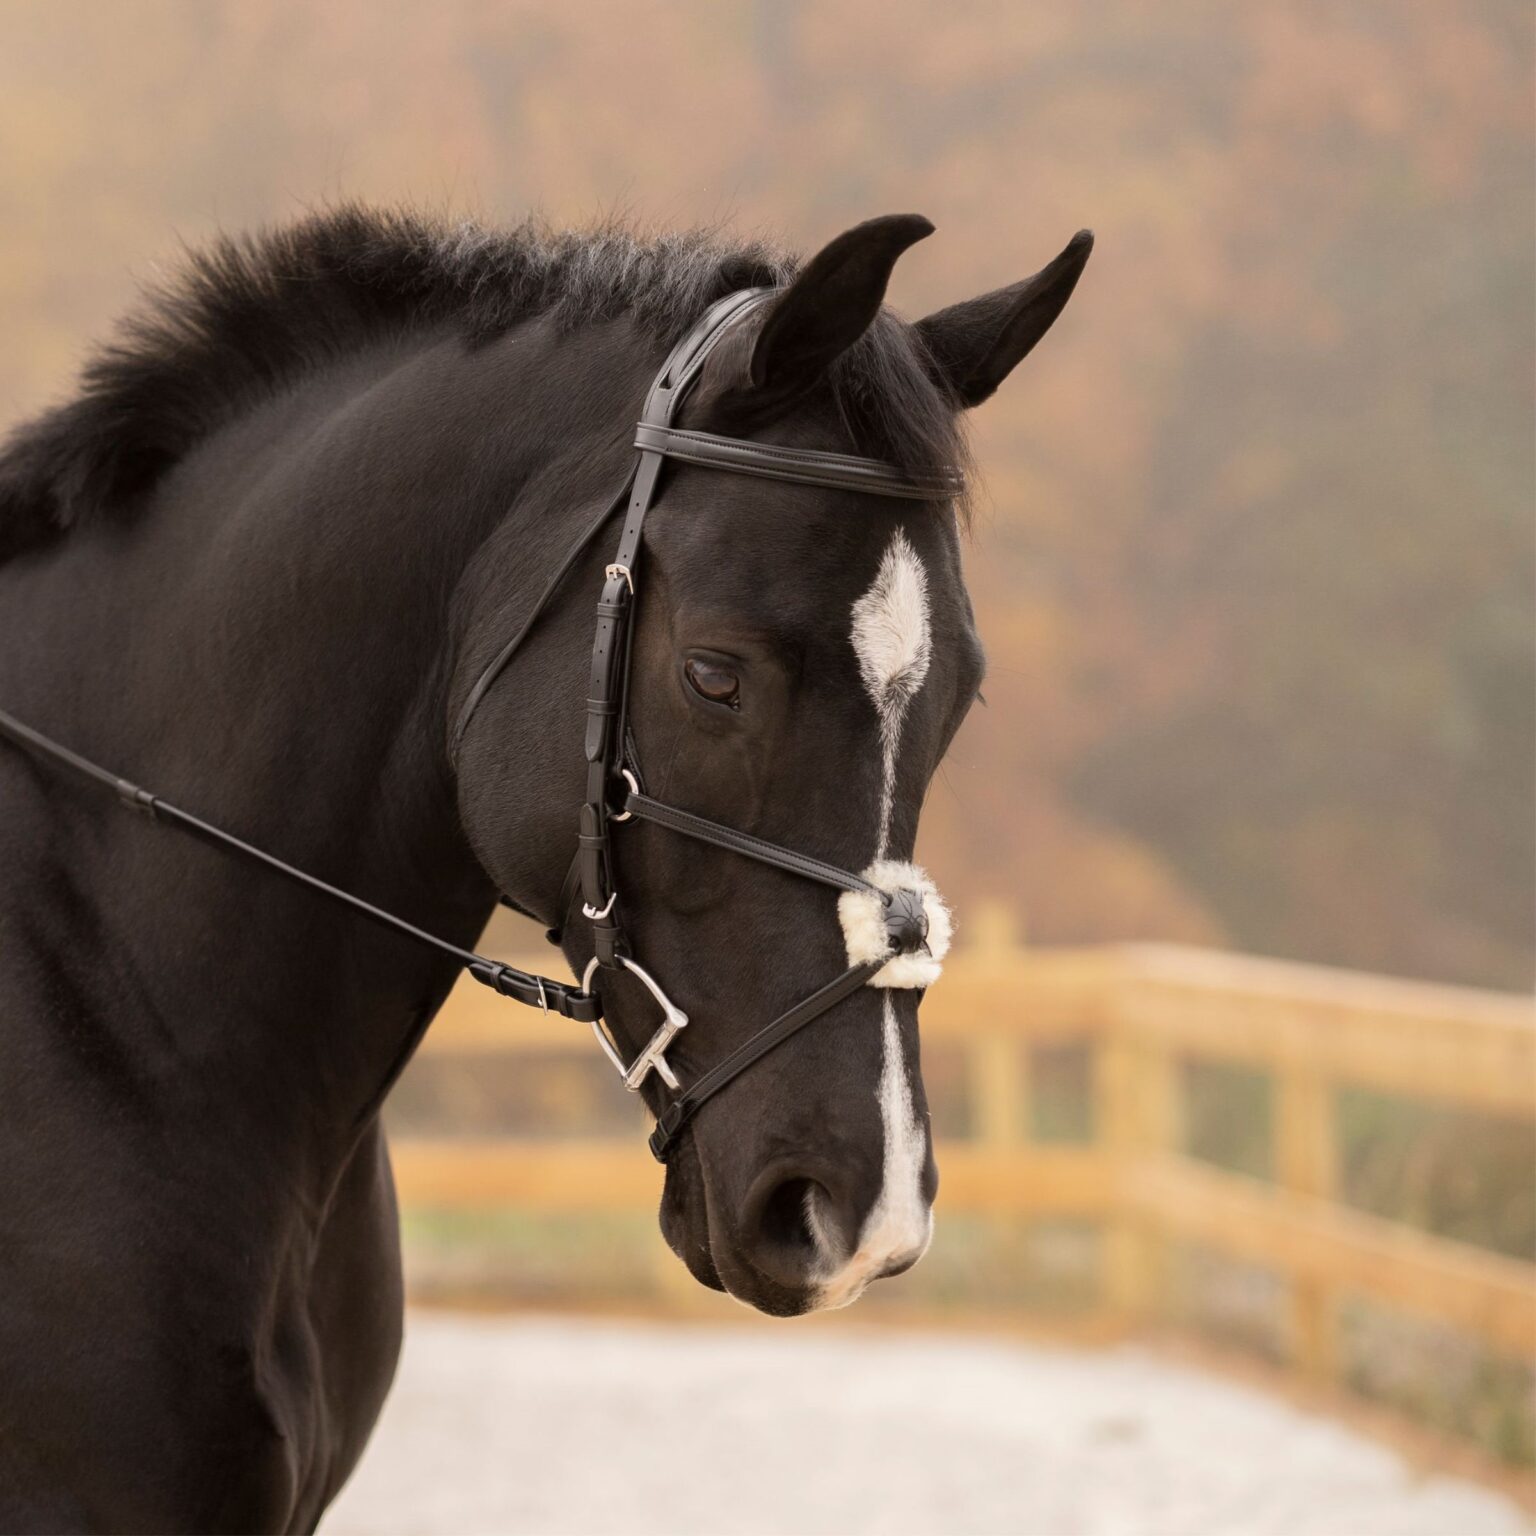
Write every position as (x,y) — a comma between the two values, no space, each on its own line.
(1254,562)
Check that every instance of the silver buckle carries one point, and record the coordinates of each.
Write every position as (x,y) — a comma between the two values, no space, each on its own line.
(621,570)
(653,1057)
(543,1000)
(593,914)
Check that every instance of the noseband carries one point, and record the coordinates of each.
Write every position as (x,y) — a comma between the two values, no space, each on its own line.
(904,907)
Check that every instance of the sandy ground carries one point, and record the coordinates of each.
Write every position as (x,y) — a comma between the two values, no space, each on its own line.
(557,1427)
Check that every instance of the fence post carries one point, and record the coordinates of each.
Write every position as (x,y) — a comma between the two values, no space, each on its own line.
(1138,1118)
(997,1061)
(997,1066)
(1306,1163)
(999,1070)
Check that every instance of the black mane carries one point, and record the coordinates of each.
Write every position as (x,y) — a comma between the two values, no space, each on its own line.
(249,313)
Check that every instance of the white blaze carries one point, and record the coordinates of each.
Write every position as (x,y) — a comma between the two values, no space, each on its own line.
(894,644)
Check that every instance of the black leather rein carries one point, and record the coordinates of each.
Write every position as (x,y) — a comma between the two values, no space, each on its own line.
(521,986)
(614,792)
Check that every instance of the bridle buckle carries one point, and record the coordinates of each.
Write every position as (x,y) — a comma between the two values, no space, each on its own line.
(653,1057)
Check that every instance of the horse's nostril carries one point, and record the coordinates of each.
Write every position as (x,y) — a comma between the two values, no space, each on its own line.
(794,1229)
(785,1221)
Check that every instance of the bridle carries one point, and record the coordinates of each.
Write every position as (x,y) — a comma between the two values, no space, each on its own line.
(614,788)
(614,792)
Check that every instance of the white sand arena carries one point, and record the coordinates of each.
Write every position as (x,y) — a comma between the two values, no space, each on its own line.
(563,1427)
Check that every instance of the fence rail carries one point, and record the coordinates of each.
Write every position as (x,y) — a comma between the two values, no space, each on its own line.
(1142,1011)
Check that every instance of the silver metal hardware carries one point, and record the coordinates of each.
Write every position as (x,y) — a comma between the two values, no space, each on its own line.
(593,914)
(653,1057)
(543,1000)
(634,784)
(621,570)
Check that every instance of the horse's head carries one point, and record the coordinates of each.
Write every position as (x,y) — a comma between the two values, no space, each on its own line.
(802,659)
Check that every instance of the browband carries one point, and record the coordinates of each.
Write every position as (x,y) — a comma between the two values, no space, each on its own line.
(808,466)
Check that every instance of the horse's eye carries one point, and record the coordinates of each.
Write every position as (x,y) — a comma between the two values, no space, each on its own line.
(713,682)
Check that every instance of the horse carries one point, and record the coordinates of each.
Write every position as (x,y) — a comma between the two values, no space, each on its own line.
(259,561)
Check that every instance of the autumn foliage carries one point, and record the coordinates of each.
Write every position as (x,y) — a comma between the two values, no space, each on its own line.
(1255,555)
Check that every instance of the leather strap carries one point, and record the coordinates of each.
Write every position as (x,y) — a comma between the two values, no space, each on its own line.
(679,371)
(683,1108)
(608,683)
(805,466)
(537,991)
(497,664)
(646,809)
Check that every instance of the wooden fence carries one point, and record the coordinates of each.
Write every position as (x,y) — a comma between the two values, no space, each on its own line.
(1142,1012)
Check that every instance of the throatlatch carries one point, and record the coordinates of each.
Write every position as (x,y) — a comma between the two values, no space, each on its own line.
(895,927)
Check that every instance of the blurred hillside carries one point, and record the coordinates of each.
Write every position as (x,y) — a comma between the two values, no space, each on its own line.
(1255,572)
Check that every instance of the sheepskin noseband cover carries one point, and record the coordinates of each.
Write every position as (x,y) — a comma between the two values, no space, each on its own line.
(872,930)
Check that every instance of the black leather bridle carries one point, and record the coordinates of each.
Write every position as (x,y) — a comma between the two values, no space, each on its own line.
(614,792)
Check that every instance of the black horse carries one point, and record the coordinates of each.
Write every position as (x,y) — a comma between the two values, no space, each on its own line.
(257,563)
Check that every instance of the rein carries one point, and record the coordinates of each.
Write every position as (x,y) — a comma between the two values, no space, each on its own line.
(614,789)
(522,986)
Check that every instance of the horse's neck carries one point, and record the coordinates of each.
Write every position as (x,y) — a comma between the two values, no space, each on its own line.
(267,647)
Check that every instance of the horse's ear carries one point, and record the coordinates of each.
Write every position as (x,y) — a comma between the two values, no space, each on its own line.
(976,345)
(831,303)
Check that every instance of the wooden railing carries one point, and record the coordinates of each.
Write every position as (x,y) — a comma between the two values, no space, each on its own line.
(1141,1012)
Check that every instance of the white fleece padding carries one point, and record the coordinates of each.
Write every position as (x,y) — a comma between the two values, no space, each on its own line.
(862,915)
